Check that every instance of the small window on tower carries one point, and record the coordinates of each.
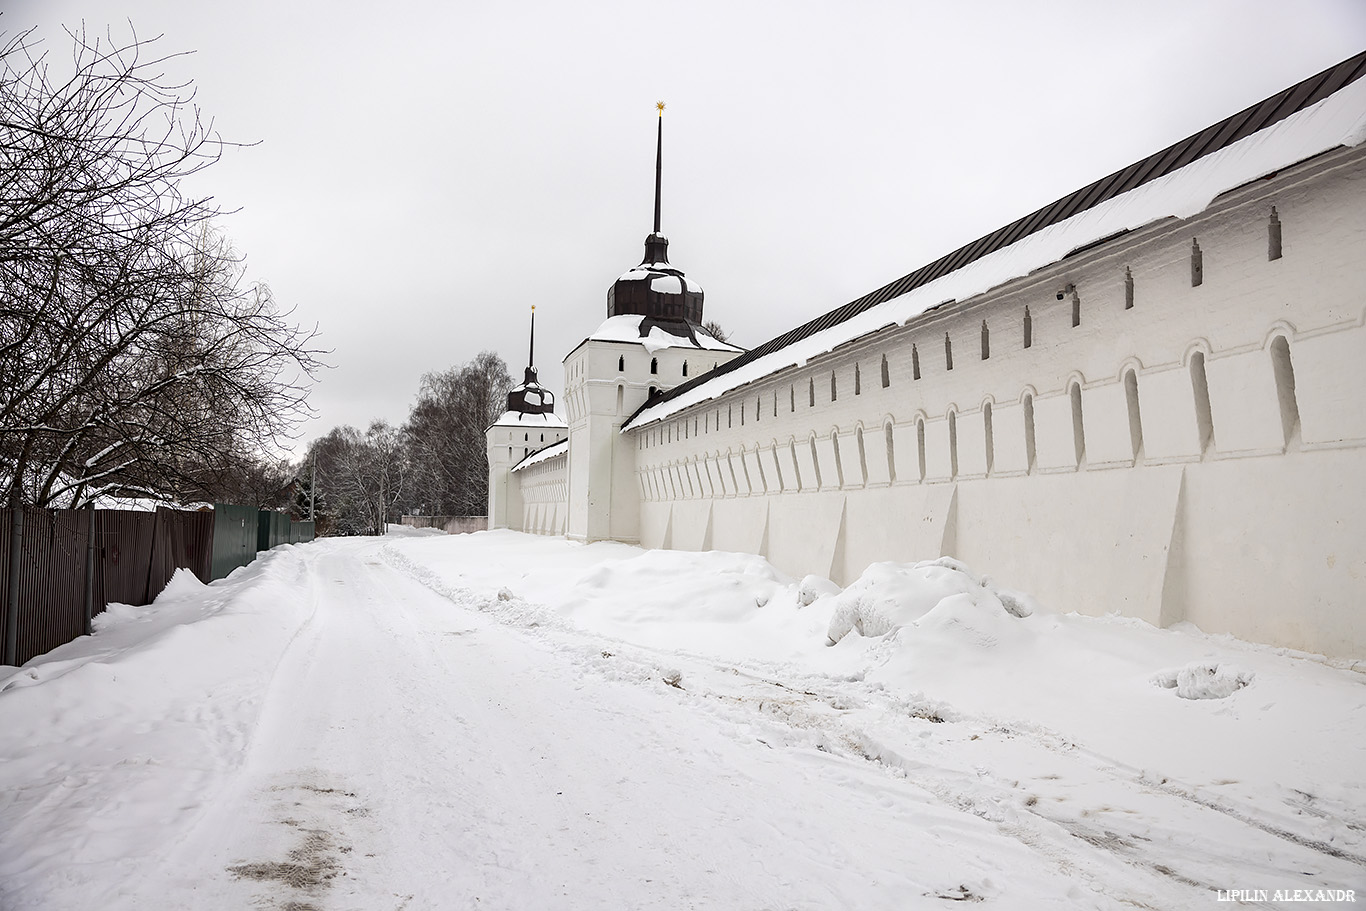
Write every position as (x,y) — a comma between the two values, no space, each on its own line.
(685,368)
(621,362)
(654,365)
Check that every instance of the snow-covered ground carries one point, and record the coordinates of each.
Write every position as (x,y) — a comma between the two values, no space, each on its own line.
(503,721)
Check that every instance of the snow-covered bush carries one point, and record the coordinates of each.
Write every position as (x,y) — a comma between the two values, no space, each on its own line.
(813,587)
(935,594)
(1204,680)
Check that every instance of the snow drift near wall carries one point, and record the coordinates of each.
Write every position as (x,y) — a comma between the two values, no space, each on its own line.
(942,595)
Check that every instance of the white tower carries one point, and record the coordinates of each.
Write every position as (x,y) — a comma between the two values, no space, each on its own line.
(652,341)
(527,426)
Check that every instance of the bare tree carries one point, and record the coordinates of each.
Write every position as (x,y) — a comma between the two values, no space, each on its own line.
(247,479)
(338,510)
(135,352)
(446,432)
(362,476)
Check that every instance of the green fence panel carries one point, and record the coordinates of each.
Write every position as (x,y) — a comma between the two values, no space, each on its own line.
(275,528)
(234,538)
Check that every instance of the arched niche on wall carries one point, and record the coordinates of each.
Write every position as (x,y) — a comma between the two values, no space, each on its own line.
(988,432)
(1196,354)
(890,441)
(1027,409)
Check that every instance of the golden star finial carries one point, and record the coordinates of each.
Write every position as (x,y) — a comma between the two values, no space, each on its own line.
(660,105)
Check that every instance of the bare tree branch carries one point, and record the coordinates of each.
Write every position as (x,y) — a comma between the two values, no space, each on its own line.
(133,349)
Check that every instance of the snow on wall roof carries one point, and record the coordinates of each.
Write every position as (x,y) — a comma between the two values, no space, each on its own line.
(542,455)
(626,328)
(1321,113)
(525,419)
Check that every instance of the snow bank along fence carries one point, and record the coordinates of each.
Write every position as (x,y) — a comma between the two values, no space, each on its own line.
(240,531)
(62,566)
(452,525)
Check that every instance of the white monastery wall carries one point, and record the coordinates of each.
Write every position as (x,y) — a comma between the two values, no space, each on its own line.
(544,488)
(508,442)
(605,382)
(1170,425)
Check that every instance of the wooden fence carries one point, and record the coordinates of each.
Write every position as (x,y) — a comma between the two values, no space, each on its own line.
(69,563)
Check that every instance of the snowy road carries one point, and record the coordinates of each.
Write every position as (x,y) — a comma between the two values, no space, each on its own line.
(390,735)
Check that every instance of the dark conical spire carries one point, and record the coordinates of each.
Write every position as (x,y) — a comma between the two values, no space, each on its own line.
(659,161)
(531,348)
(657,245)
(531,397)
(655,288)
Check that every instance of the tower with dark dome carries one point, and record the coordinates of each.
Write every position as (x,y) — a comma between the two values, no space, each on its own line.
(528,426)
(651,341)
(656,289)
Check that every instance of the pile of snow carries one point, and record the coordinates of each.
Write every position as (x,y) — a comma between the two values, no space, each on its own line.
(708,588)
(814,587)
(941,595)
(933,632)
(1204,680)
(115,614)
(184,586)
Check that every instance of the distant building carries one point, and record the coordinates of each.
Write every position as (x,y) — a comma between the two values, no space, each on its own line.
(1146,397)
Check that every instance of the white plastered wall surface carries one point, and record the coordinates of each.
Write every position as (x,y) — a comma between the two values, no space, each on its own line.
(509,441)
(1339,120)
(542,481)
(1186,452)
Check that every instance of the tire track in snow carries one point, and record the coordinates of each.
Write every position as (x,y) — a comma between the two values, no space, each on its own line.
(1137,801)
(794,721)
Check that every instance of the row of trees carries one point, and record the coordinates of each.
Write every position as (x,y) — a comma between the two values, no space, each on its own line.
(434,464)
(136,358)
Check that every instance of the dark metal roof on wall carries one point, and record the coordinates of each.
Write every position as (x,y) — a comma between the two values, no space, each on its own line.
(1176,156)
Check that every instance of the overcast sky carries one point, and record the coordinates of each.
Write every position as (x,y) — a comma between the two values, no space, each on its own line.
(426,171)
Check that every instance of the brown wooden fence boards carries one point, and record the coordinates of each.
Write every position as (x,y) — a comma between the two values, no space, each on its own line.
(51,579)
(136,554)
(123,556)
(181,539)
